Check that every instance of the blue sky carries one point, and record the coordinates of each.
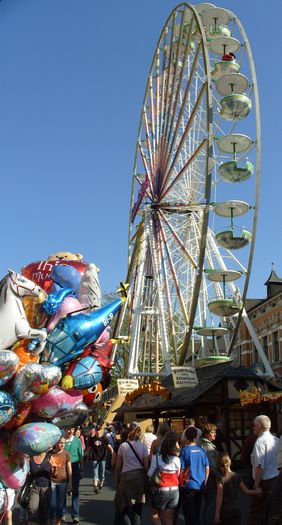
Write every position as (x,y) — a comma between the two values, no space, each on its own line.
(72,80)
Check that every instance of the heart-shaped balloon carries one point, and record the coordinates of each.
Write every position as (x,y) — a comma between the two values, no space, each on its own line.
(40,271)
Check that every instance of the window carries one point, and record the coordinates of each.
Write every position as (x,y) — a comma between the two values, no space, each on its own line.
(264,345)
(240,355)
(276,349)
(254,351)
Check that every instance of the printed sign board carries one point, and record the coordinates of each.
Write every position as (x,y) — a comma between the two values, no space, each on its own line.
(184,376)
(127,385)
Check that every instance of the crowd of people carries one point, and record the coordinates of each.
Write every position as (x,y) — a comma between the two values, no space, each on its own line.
(189,472)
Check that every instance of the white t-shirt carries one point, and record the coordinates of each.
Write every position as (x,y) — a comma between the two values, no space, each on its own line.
(129,460)
(265,454)
(172,466)
(148,439)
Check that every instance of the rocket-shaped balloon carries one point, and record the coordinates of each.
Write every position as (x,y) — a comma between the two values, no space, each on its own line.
(74,332)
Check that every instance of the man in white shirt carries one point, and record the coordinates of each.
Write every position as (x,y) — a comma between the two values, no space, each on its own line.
(264,467)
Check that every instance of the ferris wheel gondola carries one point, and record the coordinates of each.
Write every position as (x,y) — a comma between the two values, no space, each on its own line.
(197,164)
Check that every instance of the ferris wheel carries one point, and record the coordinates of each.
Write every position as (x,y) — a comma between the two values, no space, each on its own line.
(194,199)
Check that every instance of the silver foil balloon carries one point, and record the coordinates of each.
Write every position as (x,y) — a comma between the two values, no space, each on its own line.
(8,365)
(7,407)
(35,379)
(73,418)
(35,438)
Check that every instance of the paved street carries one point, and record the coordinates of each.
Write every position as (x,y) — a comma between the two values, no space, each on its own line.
(98,509)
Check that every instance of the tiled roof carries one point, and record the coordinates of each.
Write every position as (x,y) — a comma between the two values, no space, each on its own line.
(208,377)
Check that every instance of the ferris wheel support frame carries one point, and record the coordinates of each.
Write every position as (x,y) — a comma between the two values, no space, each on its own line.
(258,174)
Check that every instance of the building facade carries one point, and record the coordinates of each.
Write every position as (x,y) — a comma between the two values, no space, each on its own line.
(266,318)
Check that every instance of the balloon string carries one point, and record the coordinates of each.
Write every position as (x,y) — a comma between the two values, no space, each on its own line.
(80,310)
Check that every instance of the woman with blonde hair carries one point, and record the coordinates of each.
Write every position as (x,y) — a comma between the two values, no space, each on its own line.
(227,503)
(131,476)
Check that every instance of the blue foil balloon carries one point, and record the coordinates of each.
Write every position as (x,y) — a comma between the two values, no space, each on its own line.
(74,332)
(66,276)
(55,299)
(86,373)
(7,407)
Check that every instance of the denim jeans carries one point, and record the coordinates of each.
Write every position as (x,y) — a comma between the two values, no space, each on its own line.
(191,504)
(58,499)
(98,470)
(207,514)
(75,491)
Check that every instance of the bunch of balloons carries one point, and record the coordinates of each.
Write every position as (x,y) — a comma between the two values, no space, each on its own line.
(55,351)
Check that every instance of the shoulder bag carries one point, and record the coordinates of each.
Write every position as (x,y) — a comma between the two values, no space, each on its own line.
(135,454)
(25,493)
(156,477)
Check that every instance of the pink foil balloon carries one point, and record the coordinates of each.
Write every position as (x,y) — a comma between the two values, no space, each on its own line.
(69,305)
(104,337)
(56,402)
(13,467)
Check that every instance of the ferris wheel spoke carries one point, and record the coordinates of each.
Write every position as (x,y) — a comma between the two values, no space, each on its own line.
(177,238)
(166,190)
(168,300)
(182,109)
(174,275)
(151,162)
(152,111)
(180,78)
(170,70)
(148,173)
(185,133)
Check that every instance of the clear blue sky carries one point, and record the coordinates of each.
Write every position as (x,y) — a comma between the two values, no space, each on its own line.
(72,80)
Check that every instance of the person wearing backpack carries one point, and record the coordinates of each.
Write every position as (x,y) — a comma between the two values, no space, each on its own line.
(166,465)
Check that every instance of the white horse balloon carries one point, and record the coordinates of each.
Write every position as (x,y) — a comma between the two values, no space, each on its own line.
(13,322)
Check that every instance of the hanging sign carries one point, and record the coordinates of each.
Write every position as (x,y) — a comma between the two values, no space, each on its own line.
(184,377)
(127,385)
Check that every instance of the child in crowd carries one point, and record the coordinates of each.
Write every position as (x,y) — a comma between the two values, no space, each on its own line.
(195,472)
(227,502)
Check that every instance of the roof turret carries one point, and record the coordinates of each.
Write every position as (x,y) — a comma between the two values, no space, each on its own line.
(273,283)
